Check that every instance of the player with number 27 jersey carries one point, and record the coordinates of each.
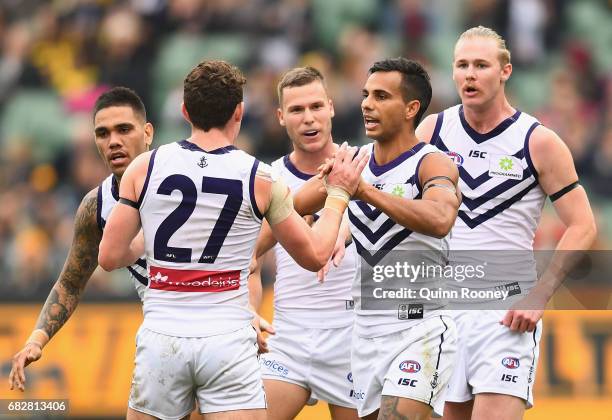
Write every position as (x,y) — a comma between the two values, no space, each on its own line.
(199,234)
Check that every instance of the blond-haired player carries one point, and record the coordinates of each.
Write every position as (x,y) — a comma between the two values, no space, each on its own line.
(508,163)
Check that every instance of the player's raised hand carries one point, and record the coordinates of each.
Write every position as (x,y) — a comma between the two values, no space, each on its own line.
(347,168)
(31,352)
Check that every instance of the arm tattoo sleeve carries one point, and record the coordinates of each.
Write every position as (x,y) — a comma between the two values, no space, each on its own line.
(81,262)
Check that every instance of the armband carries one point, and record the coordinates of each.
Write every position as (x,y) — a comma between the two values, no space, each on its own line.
(554,197)
(129,202)
(430,184)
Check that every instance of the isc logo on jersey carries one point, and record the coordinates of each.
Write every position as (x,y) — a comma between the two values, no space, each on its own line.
(410,366)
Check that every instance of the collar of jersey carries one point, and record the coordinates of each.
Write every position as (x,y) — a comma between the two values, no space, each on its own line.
(186,144)
(295,171)
(378,170)
(478,137)
(114,188)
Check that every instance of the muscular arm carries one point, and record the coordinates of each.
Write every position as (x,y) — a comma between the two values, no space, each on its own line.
(555,167)
(64,297)
(81,262)
(311,197)
(435,213)
(120,246)
(311,247)
(265,240)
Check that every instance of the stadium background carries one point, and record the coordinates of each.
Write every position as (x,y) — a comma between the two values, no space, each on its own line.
(57,56)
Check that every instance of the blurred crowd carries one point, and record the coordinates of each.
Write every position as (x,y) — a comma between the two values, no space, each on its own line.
(57,56)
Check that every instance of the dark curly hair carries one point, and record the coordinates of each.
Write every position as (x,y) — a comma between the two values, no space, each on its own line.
(415,81)
(211,92)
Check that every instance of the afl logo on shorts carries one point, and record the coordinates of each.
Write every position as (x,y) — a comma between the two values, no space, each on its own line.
(410,366)
(349,377)
(455,157)
(510,362)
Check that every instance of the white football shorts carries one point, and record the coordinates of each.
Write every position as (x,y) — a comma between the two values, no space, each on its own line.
(220,371)
(491,358)
(316,359)
(415,363)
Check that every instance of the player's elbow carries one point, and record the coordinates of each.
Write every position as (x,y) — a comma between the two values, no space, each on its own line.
(441,226)
(106,263)
(106,259)
(313,262)
(589,233)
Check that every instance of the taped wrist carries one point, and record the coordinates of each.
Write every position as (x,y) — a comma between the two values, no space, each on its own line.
(281,203)
(337,198)
(38,337)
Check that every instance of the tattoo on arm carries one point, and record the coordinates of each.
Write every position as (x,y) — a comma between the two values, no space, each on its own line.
(388,409)
(81,262)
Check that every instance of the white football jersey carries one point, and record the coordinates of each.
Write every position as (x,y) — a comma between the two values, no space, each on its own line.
(502,199)
(297,292)
(200,224)
(376,235)
(108,196)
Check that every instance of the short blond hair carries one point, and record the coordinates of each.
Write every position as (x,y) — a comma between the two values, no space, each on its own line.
(484,32)
(299,76)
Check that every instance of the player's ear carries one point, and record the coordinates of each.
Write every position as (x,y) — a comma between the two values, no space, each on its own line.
(185,113)
(149,130)
(506,72)
(412,108)
(281,117)
(239,112)
(331,107)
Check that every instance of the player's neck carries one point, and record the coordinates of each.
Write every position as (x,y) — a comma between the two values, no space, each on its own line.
(485,118)
(308,162)
(212,139)
(388,150)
